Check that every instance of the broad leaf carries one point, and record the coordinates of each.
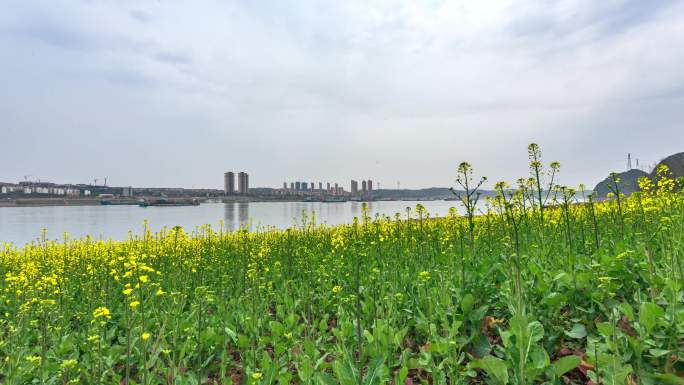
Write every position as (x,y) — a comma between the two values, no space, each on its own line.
(377,372)
(467,303)
(494,367)
(540,359)
(345,371)
(565,364)
(649,314)
(401,375)
(668,379)
(535,330)
(578,332)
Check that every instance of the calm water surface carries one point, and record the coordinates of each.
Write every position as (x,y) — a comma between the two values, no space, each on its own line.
(23,224)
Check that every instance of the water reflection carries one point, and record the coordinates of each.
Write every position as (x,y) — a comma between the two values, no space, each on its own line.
(229,215)
(236,215)
(243,214)
(24,224)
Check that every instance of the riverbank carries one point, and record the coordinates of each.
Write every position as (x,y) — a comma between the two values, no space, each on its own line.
(42,202)
(37,202)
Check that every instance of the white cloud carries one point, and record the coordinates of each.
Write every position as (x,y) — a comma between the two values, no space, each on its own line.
(173,93)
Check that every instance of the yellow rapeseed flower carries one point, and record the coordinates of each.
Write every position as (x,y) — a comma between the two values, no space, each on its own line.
(102,312)
(68,364)
(424,276)
(33,359)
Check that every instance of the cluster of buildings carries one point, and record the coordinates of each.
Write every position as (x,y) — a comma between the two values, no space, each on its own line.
(229,183)
(48,189)
(310,188)
(333,189)
(366,187)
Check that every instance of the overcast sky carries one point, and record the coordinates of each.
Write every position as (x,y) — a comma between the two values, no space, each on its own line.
(174,93)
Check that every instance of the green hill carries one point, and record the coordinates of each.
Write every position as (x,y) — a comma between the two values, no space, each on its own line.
(675,163)
(628,183)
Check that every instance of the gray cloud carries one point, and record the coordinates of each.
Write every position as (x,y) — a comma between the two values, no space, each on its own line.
(140,16)
(58,37)
(173,57)
(174,93)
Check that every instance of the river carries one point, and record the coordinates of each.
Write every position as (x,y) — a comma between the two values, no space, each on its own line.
(20,225)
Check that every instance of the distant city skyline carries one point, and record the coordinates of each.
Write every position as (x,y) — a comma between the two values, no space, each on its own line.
(238,183)
(169,93)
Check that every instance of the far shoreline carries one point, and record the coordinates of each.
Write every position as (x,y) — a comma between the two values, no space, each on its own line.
(52,202)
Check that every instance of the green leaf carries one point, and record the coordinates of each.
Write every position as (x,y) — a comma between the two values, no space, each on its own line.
(518,327)
(345,371)
(536,331)
(401,375)
(565,364)
(669,379)
(399,337)
(322,379)
(304,368)
(626,309)
(467,303)
(658,352)
(555,299)
(369,336)
(605,328)
(310,348)
(243,341)
(230,333)
(269,372)
(438,347)
(578,332)
(649,314)
(481,345)
(377,372)
(277,329)
(494,367)
(540,359)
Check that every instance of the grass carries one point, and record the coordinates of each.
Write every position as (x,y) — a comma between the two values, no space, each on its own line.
(572,293)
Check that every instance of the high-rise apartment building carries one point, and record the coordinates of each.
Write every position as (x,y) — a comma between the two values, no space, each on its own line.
(354,187)
(229,183)
(364,186)
(243,183)
(370,185)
